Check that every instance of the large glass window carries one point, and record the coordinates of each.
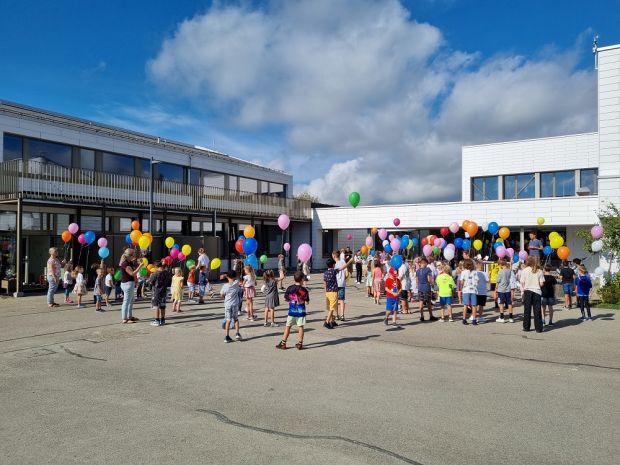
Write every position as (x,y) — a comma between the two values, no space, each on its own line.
(194,176)
(143,167)
(264,187)
(49,152)
(169,172)
(232,183)
(520,186)
(13,146)
(484,188)
(327,242)
(557,184)
(277,189)
(87,159)
(211,179)
(589,179)
(272,239)
(117,164)
(248,185)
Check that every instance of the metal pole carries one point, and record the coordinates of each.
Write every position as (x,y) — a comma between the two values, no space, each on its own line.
(18,246)
(151,200)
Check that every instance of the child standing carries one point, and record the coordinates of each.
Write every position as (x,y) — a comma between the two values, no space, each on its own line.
(445,286)
(469,278)
(504,292)
(68,282)
(249,290)
(232,293)
(297,297)
(377,281)
(108,285)
(203,283)
(568,281)
(330,284)
(393,288)
(424,278)
(548,295)
(177,290)
(80,285)
(160,281)
(369,279)
(191,283)
(99,291)
(481,293)
(272,298)
(306,270)
(583,284)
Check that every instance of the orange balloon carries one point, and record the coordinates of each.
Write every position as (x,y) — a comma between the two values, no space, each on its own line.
(504,232)
(465,225)
(135,224)
(374,231)
(66,236)
(364,250)
(135,236)
(472,228)
(563,253)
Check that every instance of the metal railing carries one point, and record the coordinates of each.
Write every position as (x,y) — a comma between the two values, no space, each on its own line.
(47,181)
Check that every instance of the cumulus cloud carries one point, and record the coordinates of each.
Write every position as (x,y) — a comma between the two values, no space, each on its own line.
(361,96)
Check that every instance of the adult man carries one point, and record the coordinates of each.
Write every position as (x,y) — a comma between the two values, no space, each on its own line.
(203,258)
(341,268)
(535,246)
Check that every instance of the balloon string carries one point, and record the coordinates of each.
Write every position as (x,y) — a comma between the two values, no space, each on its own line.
(80,255)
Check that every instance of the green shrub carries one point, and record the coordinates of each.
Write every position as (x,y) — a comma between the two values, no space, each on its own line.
(610,292)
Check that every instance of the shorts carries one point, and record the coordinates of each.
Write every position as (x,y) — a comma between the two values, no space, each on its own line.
(391,305)
(481,299)
(547,301)
(443,301)
(504,298)
(341,293)
(568,288)
(469,299)
(231,313)
(98,298)
(424,296)
(331,300)
(404,295)
(108,290)
(295,321)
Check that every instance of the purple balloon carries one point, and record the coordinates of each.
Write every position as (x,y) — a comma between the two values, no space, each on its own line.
(395,244)
(390,237)
(597,232)
(287,246)
(73,228)
(427,250)
(510,251)
(369,241)
(304,252)
(437,242)
(102,242)
(451,246)
(283,221)
(382,234)
(501,251)
(522,255)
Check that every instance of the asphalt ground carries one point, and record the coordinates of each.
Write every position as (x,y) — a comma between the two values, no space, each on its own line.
(78,387)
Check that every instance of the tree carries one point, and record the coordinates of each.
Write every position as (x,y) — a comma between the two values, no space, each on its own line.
(305,195)
(609,218)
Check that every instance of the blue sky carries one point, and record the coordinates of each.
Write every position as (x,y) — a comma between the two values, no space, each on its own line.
(308,86)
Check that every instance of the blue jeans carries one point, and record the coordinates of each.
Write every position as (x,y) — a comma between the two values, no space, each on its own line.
(51,289)
(128,294)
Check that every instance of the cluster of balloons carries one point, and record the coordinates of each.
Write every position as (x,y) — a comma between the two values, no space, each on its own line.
(137,238)
(176,252)
(597,233)
(556,242)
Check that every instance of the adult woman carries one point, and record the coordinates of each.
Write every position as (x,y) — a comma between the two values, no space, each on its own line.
(129,270)
(531,281)
(53,276)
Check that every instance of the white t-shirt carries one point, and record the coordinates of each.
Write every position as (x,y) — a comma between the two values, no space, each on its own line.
(405,277)
(340,276)
(248,281)
(109,281)
(531,281)
(79,279)
(203,260)
(470,281)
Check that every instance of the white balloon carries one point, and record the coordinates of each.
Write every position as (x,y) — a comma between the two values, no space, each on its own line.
(385,242)
(599,271)
(597,246)
(466,235)
(485,226)
(448,253)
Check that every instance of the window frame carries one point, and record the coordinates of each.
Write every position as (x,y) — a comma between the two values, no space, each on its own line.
(483,191)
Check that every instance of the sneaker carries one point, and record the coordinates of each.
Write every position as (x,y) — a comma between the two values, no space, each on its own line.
(474,322)
(155,323)
(500,320)
(238,337)
(162,323)
(588,319)
(266,325)
(421,318)
(442,320)
(274,325)
(451,320)
(281,345)
(299,346)
(511,320)
(334,324)
(464,322)
(470,319)
(81,306)
(551,323)
(327,325)
(433,318)
(342,319)
(227,339)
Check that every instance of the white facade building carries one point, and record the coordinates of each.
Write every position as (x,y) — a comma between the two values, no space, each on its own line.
(564,179)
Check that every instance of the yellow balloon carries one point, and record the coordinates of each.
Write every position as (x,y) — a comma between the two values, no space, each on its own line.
(216,263)
(477,244)
(553,234)
(186,249)
(145,262)
(249,232)
(556,242)
(540,220)
(169,242)
(144,242)
(409,245)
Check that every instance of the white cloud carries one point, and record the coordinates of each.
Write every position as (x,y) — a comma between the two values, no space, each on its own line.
(362,97)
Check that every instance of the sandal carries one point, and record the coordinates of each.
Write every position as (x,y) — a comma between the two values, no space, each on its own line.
(281,345)
(124,322)
(133,318)
(299,345)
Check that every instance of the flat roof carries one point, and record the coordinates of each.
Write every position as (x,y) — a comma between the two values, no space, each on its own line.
(25,111)
(532,139)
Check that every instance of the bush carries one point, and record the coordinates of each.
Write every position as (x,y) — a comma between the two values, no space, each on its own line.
(610,292)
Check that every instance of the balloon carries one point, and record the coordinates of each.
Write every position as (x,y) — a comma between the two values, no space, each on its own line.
(143,242)
(504,232)
(596,246)
(304,252)
(444,231)
(404,242)
(374,231)
(436,250)
(189,263)
(354,199)
(465,225)
(286,246)
(90,237)
(467,236)
(239,246)
(484,226)
(151,268)
(390,237)
(241,238)
(118,275)
(451,246)
(431,239)
(497,244)
(552,234)
(250,245)
(369,241)
(363,250)
(493,227)
(427,250)
(415,241)
(597,232)
(167,260)
(186,249)
(169,242)
(349,237)
(82,239)
(73,228)
(522,255)
(472,228)
(174,253)
(599,271)
(263,258)
(283,221)
(249,232)
(104,252)
(135,236)
(515,259)
(396,222)
(66,236)
(102,242)
(477,244)
(145,262)
(143,272)
(395,245)
(466,244)
(410,245)
(385,242)
(500,251)
(215,263)
(547,250)
(556,242)
(510,252)
(387,248)
(181,256)
(135,224)
(563,252)
(540,220)
(437,242)
(382,234)
(396,261)
(454,227)
(128,239)
(458,242)
(251,260)
(448,253)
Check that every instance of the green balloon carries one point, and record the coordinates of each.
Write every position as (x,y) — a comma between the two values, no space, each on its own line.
(143,272)
(190,263)
(263,258)
(118,275)
(354,199)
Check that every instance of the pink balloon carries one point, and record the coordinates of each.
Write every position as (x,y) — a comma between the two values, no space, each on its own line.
(181,256)
(382,234)
(427,250)
(349,237)
(102,242)
(597,232)
(82,239)
(395,245)
(437,242)
(501,251)
(510,251)
(304,252)
(73,228)
(396,222)
(287,246)
(454,227)
(451,246)
(369,241)
(443,243)
(522,255)
(283,221)
(174,253)
(390,237)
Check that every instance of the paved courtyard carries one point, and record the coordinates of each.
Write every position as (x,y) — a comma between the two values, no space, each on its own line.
(78,387)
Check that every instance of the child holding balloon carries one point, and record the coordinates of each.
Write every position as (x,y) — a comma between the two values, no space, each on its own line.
(249,290)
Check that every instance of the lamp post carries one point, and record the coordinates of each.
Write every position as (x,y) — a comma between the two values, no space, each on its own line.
(151,192)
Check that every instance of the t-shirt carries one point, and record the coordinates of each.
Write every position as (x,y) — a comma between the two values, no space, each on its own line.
(98,290)
(109,280)
(191,277)
(470,281)
(126,277)
(53,268)
(203,260)
(232,293)
(567,274)
(583,284)
(548,287)
(445,284)
(422,274)
(297,297)
(494,269)
(483,280)
(340,277)
(531,281)
(331,283)
(404,276)
(535,243)
(392,287)
(248,281)
(503,280)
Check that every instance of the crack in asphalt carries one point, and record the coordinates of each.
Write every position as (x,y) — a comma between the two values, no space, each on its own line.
(224,419)
(76,354)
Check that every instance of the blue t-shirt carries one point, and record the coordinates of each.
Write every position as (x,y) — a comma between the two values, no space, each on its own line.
(297,297)
(422,275)
(584,284)
(535,243)
(330,280)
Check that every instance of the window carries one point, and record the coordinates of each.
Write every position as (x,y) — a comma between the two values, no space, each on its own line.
(484,188)
(49,152)
(248,185)
(87,159)
(520,186)
(328,243)
(589,179)
(62,221)
(31,221)
(194,176)
(277,190)
(117,164)
(211,179)
(232,183)
(173,226)
(271,239)
(13,147)
(8,221)
(143,168)
(125,224)
(557,184)
(169,172)
(264,187)
(93,223)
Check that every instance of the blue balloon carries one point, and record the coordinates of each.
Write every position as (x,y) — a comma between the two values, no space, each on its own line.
(515,258)
(128,239)
(415,241)
(466,244)
(396,261)
(104,252)
(241,238)
(497,244)
(458,242)
(251,260)
(387,248)
(90,237)
(547,250)
(250,245)
(493,227)
(176,246)
(373,252)
(404,242)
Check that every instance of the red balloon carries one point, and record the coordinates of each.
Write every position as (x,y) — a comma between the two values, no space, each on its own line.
(239,246)
(424,241)
(444,231)
(167,261)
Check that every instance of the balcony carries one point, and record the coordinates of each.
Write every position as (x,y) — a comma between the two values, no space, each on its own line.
(49,182)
